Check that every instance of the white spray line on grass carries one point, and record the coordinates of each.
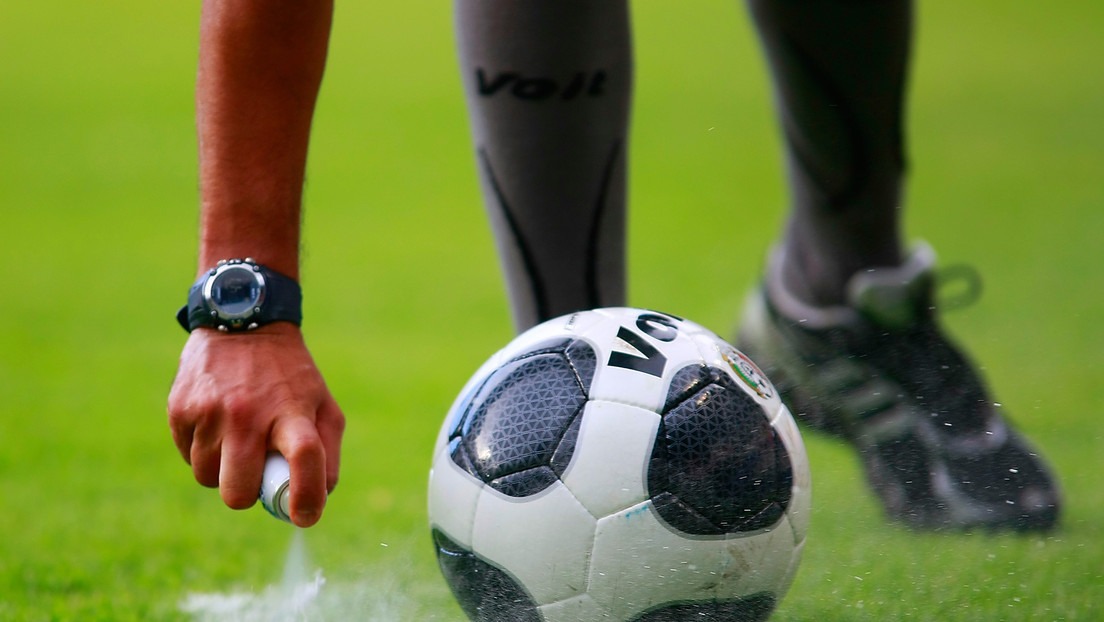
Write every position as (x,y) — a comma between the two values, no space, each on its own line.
(303,596)
(275,603)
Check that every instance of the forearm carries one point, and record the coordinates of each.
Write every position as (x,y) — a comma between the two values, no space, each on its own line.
(260,68)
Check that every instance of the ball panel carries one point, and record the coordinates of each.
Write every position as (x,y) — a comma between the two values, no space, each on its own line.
(516,419)
(452,498)
(686,382)
(635,548)
(561,458)
(753,608)
(460,407)
(485,593)
(634,366)
(759,562)
(569,326)
(525,483)
(801,502)
(607,473)
(639,563)
(543,540)
(682,516)
(460,457)
(717,453)
(795,561)
(578,609)
(584,361)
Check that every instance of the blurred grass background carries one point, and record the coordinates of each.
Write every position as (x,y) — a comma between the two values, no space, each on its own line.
(101,520)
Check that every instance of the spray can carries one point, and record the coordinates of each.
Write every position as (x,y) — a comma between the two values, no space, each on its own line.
(275,487)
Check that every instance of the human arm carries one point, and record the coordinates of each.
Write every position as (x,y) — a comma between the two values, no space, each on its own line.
(238,396)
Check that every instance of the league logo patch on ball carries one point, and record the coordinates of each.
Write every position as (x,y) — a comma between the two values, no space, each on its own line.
(618,464)
(749,372)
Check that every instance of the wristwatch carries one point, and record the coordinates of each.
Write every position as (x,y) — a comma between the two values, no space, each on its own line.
(240,294)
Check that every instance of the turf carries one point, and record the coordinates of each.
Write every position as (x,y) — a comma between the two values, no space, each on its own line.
(102,521)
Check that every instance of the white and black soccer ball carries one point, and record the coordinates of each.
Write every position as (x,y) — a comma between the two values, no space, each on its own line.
(618,464)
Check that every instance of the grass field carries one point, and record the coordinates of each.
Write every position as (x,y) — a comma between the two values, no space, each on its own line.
(99,518)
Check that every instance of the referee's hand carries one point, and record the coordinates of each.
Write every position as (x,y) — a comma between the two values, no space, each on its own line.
(237,397)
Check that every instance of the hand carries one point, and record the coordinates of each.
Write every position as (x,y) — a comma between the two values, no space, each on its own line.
(238,396)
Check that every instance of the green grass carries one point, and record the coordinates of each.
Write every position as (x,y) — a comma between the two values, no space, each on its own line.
(100,520)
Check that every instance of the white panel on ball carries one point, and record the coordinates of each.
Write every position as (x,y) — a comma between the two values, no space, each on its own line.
(581,608)
(581,323)
(453,494)
(564,327)
(633,549)
(606,473)
(801,501)
(631,386)
(791,572)
(543,540)
(759,562)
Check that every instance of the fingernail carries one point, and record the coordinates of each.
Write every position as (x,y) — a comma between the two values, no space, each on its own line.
(306,518)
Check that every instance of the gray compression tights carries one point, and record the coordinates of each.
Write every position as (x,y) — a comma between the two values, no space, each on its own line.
(548,86)
(839,74)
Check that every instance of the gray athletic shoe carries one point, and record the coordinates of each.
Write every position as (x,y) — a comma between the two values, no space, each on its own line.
(880,373)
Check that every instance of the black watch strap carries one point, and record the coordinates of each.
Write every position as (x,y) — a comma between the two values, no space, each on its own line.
(283,302)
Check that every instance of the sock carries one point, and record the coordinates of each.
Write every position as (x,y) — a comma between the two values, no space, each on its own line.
(838,68)
(548,88)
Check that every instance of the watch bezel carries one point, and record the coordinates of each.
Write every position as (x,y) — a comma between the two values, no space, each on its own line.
(231,320)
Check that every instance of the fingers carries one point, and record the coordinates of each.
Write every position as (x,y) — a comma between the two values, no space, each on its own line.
(204,453)
(240,471)
(234,399)
(181,423)
(182,433)
(298,439)
(234,461)
(229,453)
(331,427)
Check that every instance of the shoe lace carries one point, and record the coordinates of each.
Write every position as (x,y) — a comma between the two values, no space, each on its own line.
(927,363)
(957,286)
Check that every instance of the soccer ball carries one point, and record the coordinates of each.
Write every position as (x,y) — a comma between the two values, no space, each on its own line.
(618,464)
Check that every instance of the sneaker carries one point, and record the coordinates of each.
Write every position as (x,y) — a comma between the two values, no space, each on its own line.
(879,372)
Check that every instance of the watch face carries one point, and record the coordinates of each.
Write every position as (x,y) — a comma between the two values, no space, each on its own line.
(235,291)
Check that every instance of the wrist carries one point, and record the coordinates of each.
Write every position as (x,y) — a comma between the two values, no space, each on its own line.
(283,262)
(241,295)
(273,329)
(258,222)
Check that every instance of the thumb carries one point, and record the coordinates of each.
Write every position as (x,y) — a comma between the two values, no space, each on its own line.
(297,439)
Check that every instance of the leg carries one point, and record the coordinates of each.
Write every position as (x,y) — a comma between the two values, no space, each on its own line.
(845,325)
(548,88)
(839,69)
